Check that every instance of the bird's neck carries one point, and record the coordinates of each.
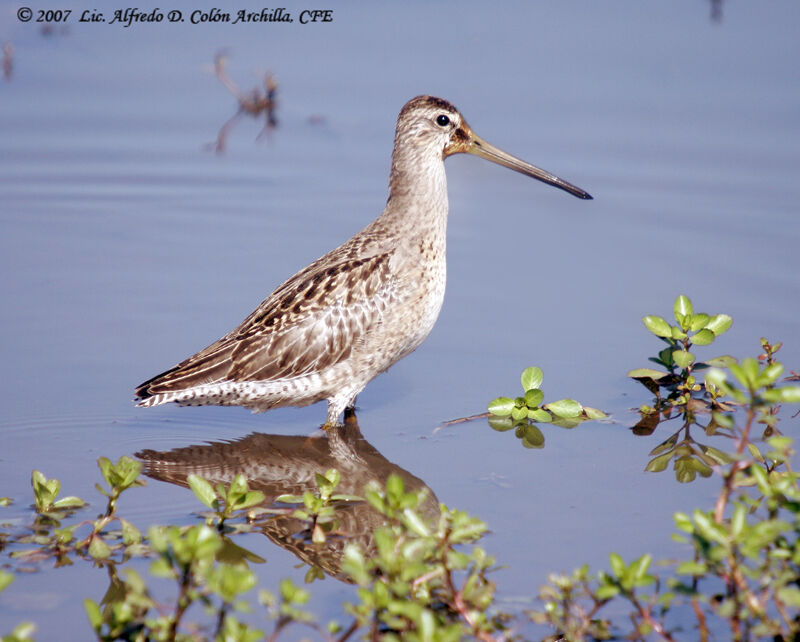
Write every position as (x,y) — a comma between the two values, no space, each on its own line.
(418,196)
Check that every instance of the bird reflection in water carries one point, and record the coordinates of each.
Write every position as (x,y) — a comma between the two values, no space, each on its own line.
(284,464)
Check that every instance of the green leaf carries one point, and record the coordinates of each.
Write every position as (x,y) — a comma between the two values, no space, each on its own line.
(707,528)
(658,464)
(531,378)
(130,469)
(639,567)
(533,397)
(414,523)
(565,408)
(699,321)
(44,490)
(721,362)
(755,453)
(617,565)
(770,374)
(105,465)
(69,502)
(542,416)
(289,499)
(161,568)
(682,306)
(203,491)
(691,568)
(93,613)
(701,467)
(313,573)
(519,413)
(594,413)
(665,445)
(683,522)
(658,326)
(531,437)
(789,595)
(719,323)
(237,488)
(717,378)
(703,337)
(250,498)
(678,334)
(130,534)
(501,424)
(738,520)
(98,549)
(567,422)
(646,373)
(5,579)
(333,476)
(745,372)
(606,592)
(323,483)
(717,456)
(23,631)
(682,358)
(394,486)
(354,565)
(502,406)
(787,394)
(684,470)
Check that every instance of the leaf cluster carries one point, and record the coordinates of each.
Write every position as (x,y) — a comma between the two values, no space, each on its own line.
(420,584)
(523,412)
(224,501)
(320,508)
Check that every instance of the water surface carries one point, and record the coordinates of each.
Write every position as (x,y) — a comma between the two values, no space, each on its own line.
(126,246)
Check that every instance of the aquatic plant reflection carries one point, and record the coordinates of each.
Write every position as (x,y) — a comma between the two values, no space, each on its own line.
(281,465)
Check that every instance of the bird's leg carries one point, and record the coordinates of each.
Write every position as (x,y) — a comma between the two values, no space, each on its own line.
(332,421)
(336,407)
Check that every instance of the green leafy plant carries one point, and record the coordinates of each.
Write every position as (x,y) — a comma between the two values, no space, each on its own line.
(319,508)
(45,492)
(523,412)
(744,569)
(99,543)
(225,502)
(119,477)
(698,405)
(426,577)
(419,568)
(691,329)
(188,557)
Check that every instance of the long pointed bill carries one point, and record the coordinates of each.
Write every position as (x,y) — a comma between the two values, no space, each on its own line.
(479,147)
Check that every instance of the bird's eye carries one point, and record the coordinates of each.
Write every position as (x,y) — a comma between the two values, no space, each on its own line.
(442,120)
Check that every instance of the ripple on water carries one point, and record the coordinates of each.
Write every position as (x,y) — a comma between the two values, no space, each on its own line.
(67,446)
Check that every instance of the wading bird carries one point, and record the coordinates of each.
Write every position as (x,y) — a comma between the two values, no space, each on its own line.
(353,313)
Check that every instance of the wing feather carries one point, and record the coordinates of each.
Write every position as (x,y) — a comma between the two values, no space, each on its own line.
(308,324)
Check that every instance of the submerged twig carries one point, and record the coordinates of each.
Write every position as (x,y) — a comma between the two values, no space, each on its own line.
(461,420)
(253,103)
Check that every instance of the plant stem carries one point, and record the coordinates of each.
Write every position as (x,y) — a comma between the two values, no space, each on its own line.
(701,620)
(463,609)
(727,488)
(350,630)
(182,605)
(648,618)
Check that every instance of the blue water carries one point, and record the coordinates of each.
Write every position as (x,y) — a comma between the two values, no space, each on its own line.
(126,245)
